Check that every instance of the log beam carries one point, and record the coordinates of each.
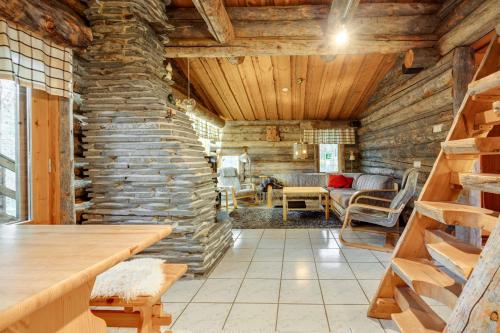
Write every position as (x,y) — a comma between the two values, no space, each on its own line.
(50,19)
(340,14)
(421,58)
(309,12)
(290,46)
(366,27)
(463,72)
(215,16)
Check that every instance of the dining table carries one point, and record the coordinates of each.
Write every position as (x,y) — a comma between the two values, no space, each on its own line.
(47,272)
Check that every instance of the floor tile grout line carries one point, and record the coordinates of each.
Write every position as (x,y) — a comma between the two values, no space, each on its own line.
(321,290)
(239,288)
(366,296)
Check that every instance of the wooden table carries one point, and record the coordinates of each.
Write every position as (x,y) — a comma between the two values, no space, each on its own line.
(47,272)
(309,191)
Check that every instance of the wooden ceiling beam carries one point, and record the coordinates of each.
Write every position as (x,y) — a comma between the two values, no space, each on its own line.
(362,26)
(340,14)
(215,16)
(50,19)
(308,12)
(293,46)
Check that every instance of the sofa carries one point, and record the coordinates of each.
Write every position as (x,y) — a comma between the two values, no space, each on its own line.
(366,184)
(339,197)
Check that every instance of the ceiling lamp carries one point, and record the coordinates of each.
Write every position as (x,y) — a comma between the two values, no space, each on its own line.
(189,104)
(342,36)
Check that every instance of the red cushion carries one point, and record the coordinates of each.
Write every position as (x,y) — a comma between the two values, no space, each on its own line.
(349,181)
(337,181)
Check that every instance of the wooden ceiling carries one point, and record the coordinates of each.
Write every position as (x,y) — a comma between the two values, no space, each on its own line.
(287,87)
(274,62)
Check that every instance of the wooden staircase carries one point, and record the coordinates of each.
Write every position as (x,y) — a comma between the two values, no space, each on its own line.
(429,260)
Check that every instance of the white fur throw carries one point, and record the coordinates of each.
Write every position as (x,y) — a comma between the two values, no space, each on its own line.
(129,279)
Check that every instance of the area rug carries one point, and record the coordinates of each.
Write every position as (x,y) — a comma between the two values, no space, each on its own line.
(264,218)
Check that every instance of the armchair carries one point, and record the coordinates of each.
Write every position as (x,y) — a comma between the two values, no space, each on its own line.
(228,179)
(381,211)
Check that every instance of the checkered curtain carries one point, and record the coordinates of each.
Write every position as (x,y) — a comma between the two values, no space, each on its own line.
(344,136)
(34,62)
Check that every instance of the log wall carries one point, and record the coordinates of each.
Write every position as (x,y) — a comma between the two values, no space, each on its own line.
(407,118)
(271,157)
(145,163)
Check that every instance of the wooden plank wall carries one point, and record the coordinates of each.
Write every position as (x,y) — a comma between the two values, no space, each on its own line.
(271,157)
(407,118)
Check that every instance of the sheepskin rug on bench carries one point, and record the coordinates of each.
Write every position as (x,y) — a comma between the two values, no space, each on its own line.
(129,279)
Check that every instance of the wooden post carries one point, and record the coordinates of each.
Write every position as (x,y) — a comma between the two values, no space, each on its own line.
(462,72)
(66,162)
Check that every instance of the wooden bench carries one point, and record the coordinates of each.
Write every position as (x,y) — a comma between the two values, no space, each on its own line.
(143,312)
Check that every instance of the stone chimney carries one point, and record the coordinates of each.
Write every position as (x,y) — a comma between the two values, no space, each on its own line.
(145,161)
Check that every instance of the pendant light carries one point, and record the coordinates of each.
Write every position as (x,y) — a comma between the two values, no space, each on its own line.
(300,150)
(189,103)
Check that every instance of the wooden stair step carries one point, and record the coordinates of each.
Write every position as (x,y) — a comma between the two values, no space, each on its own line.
(472,146)
(457,256)
(488,87)
(452,213)
(485,182)
(487,118)
(416,315)
(426,279)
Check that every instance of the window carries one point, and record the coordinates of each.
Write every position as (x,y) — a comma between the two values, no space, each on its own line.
(230,161)
(329,160)
(13,153)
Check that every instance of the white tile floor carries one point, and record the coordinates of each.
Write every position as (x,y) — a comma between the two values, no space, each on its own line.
(277,280)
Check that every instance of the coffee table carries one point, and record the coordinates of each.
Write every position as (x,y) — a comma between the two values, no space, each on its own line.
(309,191)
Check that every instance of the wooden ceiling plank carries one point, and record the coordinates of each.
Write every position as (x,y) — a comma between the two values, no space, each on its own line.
(215,16)
(314,71)
(195,85)
(299,79)
(358,71)
(348,75)
(250,82)
(204,77)
(385,66)
(328,82)
(368,69)
(282,79)
(264,72)
(237,88)
(223,88)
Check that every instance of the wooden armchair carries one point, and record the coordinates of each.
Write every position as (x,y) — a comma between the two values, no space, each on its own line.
(228,179)
(381,211)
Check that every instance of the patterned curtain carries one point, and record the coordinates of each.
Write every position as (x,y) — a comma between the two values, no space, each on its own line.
(344,136)
(34,62)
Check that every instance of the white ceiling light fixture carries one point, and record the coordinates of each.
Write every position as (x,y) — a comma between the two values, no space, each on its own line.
(341,37)
(285,90)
